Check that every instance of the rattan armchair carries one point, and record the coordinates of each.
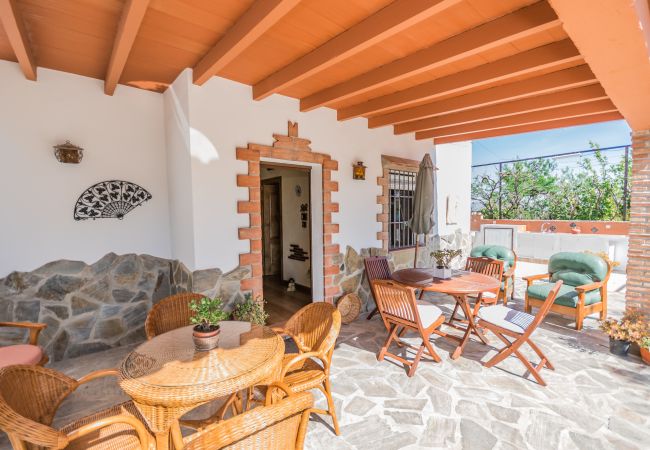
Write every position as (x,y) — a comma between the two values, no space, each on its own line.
(170,313)
(30,397)
(279,425)
(29,353)
(314,329)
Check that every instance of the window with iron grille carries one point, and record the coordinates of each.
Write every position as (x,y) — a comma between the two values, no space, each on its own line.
(401,190)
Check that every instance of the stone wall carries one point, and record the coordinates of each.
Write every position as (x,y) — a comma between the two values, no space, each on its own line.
(93,307)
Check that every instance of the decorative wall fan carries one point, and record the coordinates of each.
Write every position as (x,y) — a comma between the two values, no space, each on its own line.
(109,199)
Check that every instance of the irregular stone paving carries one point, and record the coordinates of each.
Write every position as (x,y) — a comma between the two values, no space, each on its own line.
(594,400)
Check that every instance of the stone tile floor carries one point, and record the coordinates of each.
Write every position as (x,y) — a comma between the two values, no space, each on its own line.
(594,400)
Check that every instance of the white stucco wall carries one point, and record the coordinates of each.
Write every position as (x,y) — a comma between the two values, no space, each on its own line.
(123,137)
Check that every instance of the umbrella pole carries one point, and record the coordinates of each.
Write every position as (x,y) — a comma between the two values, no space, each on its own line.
(415,261)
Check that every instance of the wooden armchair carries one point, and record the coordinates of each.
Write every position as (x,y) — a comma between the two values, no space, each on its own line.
(30,397)
(584,291)
(29,353)
(170,313)
(279,425)
(314,329)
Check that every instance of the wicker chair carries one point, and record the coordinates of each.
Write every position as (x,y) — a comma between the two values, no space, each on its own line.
(314,329)
(278,426)
(30,397)
(377,268)
(170,313)
(29,353)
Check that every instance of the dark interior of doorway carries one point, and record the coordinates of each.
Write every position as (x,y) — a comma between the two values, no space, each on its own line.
(281,304)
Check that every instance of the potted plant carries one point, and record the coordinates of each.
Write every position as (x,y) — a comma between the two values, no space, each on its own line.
(644,344)
(208,312)
(631,328)
(443,262)
(251,311)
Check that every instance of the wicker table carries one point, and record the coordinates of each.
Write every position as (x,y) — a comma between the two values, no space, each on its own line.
(166,377)
(461,285)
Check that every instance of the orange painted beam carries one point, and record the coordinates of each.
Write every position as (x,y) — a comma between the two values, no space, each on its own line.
(613,38)
(547,101)
(517,25)
(394,18)
(256,21)
(127,29)
(552,124)
(550,82)
(529,62)
(14,27)
(562,112)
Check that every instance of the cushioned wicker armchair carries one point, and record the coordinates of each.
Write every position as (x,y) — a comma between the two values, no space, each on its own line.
(278,426)
(170,313)
(509,259)
(30,397)
(29,353)
(584,290)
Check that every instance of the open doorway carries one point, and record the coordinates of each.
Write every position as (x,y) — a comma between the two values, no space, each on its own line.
(286,239)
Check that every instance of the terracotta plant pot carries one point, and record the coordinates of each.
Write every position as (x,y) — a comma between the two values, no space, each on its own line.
(619,348)
(645,355)
(205,340)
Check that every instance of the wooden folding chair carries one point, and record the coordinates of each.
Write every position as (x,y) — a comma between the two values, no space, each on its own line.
(485,266)
(376,269)
(401,312)
(508,323)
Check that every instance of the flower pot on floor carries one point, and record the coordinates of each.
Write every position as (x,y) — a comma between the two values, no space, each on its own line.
(619,348)
(442,272)
(645,355)
(205,340)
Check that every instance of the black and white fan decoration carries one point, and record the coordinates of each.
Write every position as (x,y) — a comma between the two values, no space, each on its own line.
(109,199)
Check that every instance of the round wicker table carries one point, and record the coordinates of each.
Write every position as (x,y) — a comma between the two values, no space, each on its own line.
(461,285)
(166,377)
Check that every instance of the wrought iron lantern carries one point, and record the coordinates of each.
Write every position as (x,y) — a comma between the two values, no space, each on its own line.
(68,153)
(359,171)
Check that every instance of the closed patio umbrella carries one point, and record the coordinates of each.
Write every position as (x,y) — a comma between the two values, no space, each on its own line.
(422,220)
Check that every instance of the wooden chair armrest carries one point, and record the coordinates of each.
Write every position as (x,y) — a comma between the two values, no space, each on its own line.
(97,374)
(589,287)
(139,427)
(529,279)
(301,357)
(508,273)
(34,329)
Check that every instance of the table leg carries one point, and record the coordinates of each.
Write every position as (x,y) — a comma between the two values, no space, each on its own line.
(461,300)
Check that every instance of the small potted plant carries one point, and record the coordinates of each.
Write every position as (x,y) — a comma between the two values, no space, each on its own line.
(208,312)
(644,345)
(631,328)
(250,311)
(443,262)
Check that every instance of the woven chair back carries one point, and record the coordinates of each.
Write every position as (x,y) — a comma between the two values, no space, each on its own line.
(485,266)
(315,327)
(29,398)
(396,301)
(170,313)
(279,426)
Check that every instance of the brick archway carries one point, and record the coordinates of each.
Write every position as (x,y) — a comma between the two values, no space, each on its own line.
(288,148)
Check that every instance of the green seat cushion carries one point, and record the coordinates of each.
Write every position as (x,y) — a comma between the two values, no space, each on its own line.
(567,296)
(495,252)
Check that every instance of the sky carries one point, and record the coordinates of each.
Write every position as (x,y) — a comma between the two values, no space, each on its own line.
(539,143)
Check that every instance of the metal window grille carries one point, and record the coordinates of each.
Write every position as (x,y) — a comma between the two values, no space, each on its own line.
(401,191)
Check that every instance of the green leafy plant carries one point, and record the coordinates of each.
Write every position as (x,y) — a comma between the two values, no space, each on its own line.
(251,311)
(208,312)
(445,257)
(631,328)
(645,342)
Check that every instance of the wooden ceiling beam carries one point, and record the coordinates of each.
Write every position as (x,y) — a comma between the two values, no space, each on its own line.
(127,30)
(550,82)
(552,124)
(517,25)
(14,27)
(528,62)
(256,21)
(394,18)
(562,112)
(511,108)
